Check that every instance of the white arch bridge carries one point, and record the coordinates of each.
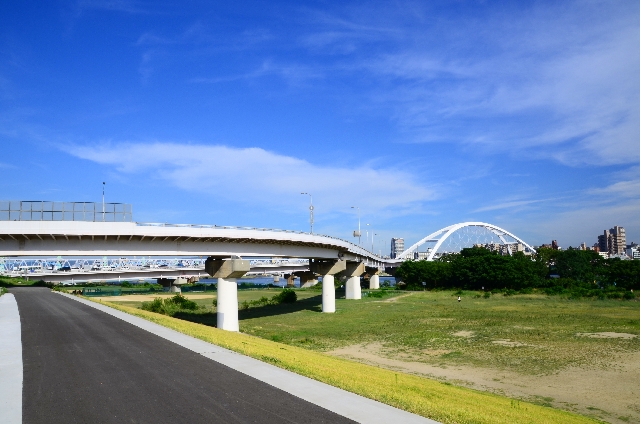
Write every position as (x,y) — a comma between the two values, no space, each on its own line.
(453,238)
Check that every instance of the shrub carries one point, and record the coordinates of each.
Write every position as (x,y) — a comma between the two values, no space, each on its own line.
(170,306)
(285,296)
(183,303)
(629,295)
(156,305)
(487,295)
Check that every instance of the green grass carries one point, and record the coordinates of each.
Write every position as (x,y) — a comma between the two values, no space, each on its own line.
(19,282)
(209,302)
(429,398)
(418,323)
(546,328)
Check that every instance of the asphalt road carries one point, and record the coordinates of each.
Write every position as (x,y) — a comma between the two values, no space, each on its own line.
(84,366)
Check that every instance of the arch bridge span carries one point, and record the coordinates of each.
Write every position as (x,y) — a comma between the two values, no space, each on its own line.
(469,232)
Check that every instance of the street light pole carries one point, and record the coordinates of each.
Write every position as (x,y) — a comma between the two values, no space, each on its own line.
(103,183)
(359,232)
(372,241)
(367,233)
(310,211)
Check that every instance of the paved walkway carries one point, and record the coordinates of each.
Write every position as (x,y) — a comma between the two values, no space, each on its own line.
(174,382)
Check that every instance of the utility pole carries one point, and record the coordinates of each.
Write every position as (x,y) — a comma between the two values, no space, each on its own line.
(359,233)
(310,211)
(103,183)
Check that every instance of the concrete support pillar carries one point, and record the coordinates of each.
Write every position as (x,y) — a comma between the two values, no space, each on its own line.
(328,294)
(307,279)
(227,271)
(165,282)
(327,268)
(353,290)
(291,280)
(353,271)
(228,304)
(374,282)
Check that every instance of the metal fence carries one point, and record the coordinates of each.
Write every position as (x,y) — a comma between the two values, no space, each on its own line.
(64,211)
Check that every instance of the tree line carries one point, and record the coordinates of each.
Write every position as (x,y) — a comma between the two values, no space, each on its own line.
(582,273)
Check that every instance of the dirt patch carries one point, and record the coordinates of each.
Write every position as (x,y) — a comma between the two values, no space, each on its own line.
(605,393)
(394,299)
(465,334)
(608,335)
(509,343)
(435,352)
(147,298)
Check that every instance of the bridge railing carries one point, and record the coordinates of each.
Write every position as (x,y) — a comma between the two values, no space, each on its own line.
(32,210)
(354,247)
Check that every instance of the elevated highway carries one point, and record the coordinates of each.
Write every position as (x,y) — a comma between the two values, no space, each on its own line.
(82,238)
(45,229)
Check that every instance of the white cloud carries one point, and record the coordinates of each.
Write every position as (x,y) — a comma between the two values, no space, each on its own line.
(556,81)
(515,204)
(628,187)
(257,175)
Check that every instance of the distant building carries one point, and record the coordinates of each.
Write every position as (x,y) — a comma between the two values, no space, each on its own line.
(613,241)
(397,247)
(503,249)
(420,256)
(583,246)
(633,251)
(553,245)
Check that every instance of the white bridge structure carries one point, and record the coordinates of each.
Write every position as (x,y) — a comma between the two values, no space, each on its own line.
(75,270)
(453,238)
(32,231)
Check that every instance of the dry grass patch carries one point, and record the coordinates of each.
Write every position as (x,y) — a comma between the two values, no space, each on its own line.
(608,335)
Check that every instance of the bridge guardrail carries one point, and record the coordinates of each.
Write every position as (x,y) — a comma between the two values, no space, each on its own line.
(356,248)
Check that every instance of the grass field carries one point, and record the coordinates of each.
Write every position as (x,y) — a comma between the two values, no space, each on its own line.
(573,354)
(441,401)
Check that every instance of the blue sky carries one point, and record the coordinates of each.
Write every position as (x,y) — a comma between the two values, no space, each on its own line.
(522,114)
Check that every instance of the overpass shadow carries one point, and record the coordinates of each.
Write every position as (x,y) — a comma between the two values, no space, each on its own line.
(313,304)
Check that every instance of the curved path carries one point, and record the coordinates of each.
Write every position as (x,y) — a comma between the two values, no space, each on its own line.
(84,365)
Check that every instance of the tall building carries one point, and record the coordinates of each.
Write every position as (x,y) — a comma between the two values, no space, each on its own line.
(397,247)
(618,240)
(603,241)
(613,241)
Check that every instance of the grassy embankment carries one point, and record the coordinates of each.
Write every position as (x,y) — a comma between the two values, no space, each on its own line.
(20,282)
(303,326)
